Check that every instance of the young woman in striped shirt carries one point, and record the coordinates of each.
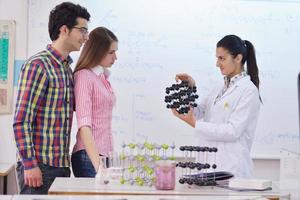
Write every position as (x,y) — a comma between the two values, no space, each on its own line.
(94,99)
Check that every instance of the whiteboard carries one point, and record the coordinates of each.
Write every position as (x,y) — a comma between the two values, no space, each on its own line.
(158,39)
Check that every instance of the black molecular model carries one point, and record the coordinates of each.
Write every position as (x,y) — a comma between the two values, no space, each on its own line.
(197,172)
(181,96)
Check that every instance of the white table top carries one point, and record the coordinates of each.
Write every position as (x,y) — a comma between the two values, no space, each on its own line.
(132,197)
(6,197)
(84,186)
(5,168)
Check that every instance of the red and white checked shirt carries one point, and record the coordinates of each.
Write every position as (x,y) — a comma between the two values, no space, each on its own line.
(95,100)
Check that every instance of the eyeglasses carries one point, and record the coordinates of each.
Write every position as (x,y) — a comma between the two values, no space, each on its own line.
(82,30)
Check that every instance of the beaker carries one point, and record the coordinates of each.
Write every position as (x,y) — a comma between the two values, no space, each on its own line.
(165,174)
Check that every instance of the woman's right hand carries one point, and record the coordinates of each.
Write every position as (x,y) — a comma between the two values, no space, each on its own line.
(188,118)
(185,77)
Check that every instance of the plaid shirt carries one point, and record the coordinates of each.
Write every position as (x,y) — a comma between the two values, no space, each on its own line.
(44,110)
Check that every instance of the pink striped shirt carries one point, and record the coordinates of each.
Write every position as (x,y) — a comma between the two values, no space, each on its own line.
(94,99)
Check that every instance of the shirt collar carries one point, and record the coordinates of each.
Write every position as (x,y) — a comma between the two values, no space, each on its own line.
(98,70)
(58,55)
(230,81)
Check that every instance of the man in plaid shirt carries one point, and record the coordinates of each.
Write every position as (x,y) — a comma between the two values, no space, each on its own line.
(45,102)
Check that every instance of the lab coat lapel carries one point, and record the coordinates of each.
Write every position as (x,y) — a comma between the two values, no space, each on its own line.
(229,91)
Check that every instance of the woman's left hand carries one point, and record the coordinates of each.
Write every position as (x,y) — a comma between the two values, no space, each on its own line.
(188,118)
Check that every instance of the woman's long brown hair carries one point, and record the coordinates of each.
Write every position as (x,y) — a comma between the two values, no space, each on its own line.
(95,48)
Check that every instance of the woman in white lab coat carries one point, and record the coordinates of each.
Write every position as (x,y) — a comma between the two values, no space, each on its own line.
(227,118)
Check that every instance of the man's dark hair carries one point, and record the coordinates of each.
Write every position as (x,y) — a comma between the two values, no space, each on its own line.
(65,13)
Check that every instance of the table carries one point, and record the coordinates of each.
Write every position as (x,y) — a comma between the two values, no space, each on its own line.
(6,197)
(5,169)
(92,186)
(132,197)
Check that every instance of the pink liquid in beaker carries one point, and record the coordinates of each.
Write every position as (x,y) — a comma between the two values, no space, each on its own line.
(165,175)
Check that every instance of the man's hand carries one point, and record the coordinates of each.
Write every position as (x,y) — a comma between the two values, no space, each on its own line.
(33,177)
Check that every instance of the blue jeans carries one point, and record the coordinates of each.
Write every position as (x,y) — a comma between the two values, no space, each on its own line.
(49,173)
(82,166)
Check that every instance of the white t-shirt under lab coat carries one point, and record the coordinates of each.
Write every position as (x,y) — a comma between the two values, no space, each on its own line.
(229,124)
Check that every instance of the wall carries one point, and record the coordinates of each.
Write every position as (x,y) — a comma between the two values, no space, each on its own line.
(12,10)
(17,10)
(266,169)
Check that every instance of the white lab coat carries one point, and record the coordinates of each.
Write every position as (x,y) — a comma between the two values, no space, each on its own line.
(229,125)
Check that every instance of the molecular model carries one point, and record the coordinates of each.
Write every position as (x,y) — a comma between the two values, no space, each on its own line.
(138,161)
(181,96)
(197,172)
